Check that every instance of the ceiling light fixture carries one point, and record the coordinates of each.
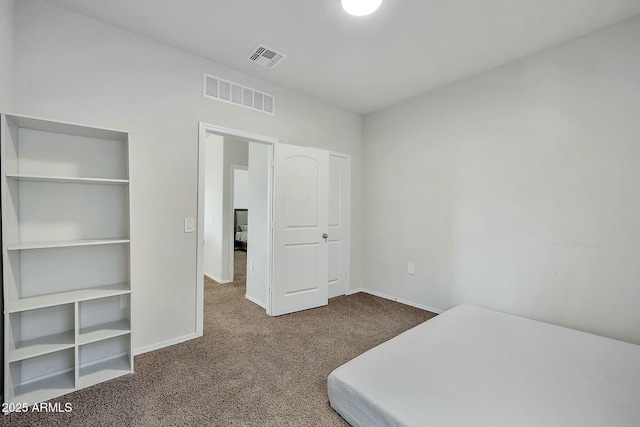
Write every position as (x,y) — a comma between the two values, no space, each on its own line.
(360,7)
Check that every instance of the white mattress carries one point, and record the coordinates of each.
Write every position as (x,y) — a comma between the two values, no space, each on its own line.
(475,367)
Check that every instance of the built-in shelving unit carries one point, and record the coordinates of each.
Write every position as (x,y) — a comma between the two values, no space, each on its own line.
(66,257)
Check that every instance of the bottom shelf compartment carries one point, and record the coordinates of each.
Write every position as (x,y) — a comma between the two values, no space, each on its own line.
(43,377)
(105,370)
(104,360)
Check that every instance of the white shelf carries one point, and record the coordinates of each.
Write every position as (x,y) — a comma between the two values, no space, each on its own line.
(66,244)
(104,331)
(103,371)
(42,345)
(67,179)
(45,389)
(66,297)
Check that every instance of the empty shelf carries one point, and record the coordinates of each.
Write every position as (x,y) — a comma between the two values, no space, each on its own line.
(67,179)
(104,371)
(66,244)
(42,345)
(104,331)
(66,297)
(45,389)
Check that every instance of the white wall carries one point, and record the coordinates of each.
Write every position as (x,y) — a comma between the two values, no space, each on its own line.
(516,189)
(240,189)
(78,69)
(258,221)
(6,53)
(213,207)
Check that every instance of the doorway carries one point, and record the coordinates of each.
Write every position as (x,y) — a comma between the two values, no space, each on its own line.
(265,221)
(229,150)
(239,183)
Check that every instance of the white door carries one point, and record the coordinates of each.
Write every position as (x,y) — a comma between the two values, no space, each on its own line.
(300,244)
(339,203)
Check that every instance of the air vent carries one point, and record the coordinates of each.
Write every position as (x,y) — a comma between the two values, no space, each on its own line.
(236,94)
(266,56)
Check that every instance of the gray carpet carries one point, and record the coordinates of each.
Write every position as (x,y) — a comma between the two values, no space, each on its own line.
(247,370)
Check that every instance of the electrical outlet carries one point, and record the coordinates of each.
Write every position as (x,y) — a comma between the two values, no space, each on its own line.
(124,301)
(411,268)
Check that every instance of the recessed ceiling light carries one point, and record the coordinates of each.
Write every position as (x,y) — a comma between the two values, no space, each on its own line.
(360,7)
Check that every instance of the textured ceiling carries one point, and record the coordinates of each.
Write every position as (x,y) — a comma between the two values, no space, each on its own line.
(406,48)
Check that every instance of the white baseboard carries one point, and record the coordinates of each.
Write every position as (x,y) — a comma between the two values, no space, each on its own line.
(255,301)
(400,300)
(215,279)
(164,344)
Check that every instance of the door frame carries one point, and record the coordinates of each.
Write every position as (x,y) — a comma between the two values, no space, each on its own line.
(348,224)
(203,130)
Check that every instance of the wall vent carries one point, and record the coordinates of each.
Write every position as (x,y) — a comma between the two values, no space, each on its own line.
(234,93)
(266,56)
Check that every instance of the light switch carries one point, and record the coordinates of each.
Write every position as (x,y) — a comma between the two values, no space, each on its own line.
(251,266)
(189,225)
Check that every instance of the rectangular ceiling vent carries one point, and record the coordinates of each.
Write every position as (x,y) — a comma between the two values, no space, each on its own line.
(266,56)
(237,94)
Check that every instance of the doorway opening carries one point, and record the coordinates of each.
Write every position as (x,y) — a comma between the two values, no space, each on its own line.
(240,218)
(298,243)
(234,196)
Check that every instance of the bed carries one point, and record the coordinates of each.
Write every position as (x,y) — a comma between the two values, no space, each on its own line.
(241,227)
(476,367)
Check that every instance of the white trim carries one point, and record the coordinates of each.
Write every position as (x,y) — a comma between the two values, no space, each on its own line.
(202,136)
(400,300)
(163,344)
(339,154)
(255,301)
(215,279)
(348,224)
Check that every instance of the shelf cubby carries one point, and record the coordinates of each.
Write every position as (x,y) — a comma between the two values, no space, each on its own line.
(41,276)
(40,331)
(90,212)
(104,318)
(104,360)
(46,148)
(42,377)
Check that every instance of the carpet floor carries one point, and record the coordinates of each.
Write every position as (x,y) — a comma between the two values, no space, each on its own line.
(248,369)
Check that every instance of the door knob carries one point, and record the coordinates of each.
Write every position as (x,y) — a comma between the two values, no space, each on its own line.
(325,236)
